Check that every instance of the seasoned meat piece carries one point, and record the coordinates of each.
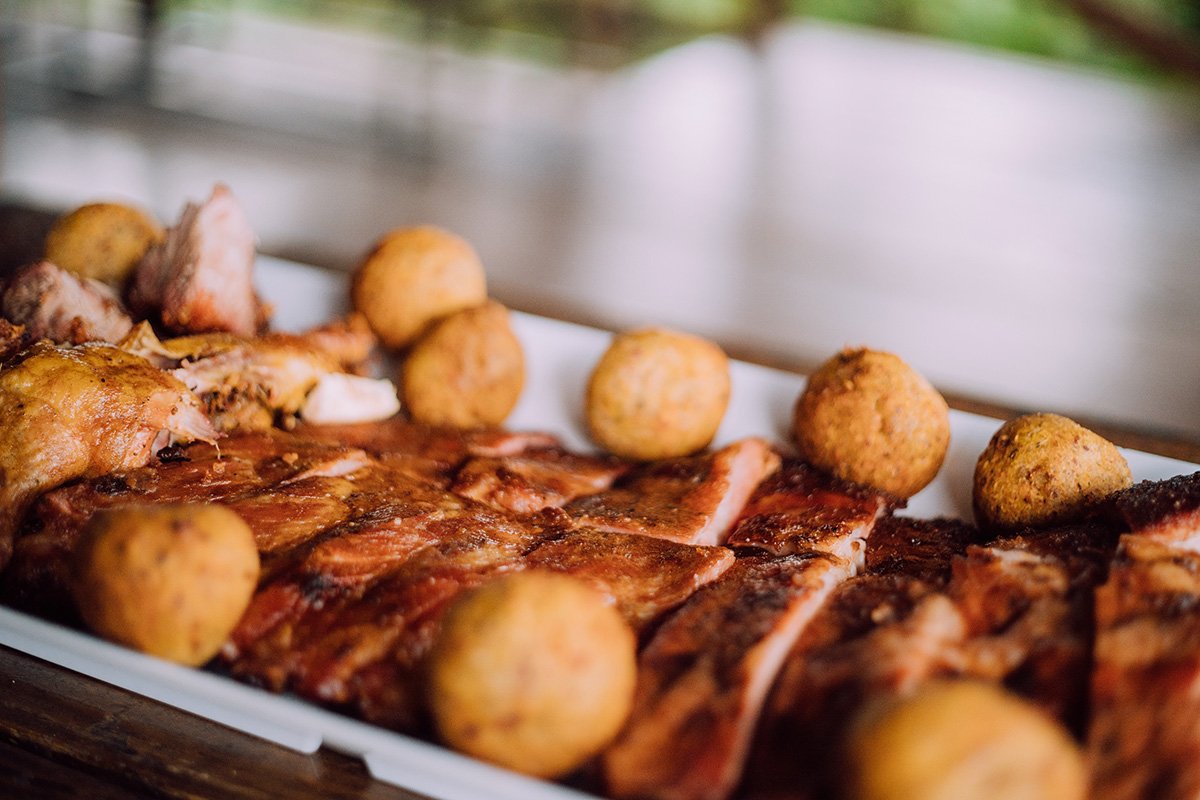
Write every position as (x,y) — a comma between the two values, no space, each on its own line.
(247,384)
(693,500)
(1144,736)
(645,576)
(542,478)
(704,675)
(1168,510)
(69,413)
(882,632)
(200,278)
(54,304)
(431,452)
(335,650)
(13,339)
(799,509)
(284,487)
(1027,603)
(349,341)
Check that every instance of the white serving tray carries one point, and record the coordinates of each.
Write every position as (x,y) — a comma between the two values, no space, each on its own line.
(559,357)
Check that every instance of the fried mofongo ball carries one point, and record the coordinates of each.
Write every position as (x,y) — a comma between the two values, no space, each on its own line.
(1042,469)
(656,393)
(534,671)
(105,241)
(961,740)
(868,417)
(467,371)
(171,581)
(414,276)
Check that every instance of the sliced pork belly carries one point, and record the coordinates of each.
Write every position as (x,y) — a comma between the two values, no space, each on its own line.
(643,575)
(694,500)
(542,478)
(704,675)
(882,632)
(1144,734)
(799,509)
(55,304)
(201,276)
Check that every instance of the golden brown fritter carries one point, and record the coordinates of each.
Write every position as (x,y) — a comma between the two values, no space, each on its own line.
(656,393)
(1040,469)
(415,276)
(867,417)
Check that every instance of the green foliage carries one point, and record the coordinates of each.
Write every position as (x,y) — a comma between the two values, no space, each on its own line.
(1036,27)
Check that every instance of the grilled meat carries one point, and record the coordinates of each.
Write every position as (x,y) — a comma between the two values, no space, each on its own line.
(54,304)
(200,277)
(1144,735)
(69,413)
(799,508)
(882,632)
(645,576)
(704,675)
(547,477)
(693,500)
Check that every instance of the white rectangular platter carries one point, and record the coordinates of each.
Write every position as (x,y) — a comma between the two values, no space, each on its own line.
(559,357)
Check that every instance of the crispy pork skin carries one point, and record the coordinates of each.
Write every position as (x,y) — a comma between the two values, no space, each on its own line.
(799,508)
(54,304)
(81,412)
(694,500)
(200,277)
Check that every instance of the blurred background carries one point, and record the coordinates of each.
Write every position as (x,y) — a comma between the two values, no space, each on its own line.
(1004,192)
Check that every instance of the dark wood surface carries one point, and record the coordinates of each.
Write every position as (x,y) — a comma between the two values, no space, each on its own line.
(64,735)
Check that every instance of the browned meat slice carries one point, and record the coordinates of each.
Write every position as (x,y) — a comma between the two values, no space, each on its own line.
(544,478)
(881,633)
(284,486)
(704,674)
(645,576)
(1144,736)
(800,509)
(335,650)
(429,452)
(932,604)
(68,413)
(1165,510)
(200,277)
(693,500)
(1027,604)
(54,304)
